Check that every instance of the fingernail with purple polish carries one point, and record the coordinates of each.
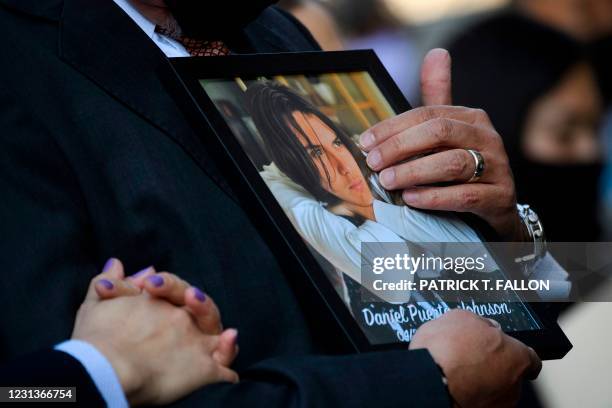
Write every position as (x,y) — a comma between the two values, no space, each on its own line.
(199,295)
(156,280)
(142,272)
(106,283)
(108,264)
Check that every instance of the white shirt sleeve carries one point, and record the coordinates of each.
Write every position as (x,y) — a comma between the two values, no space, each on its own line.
(549,269)
(419,226)
(99,369)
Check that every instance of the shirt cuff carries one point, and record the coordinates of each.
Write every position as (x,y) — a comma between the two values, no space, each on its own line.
(99,369)
(549,269)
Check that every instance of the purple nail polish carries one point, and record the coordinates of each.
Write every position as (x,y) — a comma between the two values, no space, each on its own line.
(106,283)
(141,272)
(156,280)
(199,295)
(108,264)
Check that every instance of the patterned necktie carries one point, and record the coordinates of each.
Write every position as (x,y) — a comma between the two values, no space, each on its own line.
(195,47)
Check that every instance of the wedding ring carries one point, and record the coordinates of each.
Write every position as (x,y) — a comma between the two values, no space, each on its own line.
(480,165)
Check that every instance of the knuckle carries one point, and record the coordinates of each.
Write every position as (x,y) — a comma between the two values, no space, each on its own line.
(480,115)
(397,143)
(165,275)
(442,129)
(526,356)
(212,320)
(469,198)
(169,280)
(456,164)
(495,337)
(384,128)
(391,126)
(425,114)
(425,332)
(493,137)
(388,127)
(431,200)
(406,175)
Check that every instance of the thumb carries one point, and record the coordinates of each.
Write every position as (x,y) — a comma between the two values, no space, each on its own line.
(113,269)
(227,348)
(436,78)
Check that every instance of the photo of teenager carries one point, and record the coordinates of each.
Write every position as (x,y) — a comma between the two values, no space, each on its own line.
(318,174)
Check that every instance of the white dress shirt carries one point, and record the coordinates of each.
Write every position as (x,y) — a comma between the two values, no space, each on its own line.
(99,369)
(96,365)
(171,48)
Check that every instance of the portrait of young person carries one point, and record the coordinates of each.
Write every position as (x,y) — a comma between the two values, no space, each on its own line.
(313,164)
(101,165)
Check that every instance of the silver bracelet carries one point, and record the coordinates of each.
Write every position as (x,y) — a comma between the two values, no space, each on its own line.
(535,229)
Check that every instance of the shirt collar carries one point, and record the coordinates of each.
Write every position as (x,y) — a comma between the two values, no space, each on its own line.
(145,25)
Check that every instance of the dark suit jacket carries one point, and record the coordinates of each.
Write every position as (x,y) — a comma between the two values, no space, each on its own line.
(96,160)
(52,368)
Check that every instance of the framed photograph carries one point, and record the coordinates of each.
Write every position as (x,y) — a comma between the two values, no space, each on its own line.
(286,127)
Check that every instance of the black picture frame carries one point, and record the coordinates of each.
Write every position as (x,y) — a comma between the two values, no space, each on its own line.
(183,82)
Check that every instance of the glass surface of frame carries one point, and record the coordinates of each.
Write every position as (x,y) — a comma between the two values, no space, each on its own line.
(296,120)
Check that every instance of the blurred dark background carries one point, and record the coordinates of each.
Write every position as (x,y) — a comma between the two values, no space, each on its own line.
(542,70)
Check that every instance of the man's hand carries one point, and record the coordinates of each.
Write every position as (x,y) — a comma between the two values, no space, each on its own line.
(484,367)
(444,132)
(160,351)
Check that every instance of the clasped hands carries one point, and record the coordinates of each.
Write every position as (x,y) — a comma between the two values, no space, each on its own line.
(171,337)
(163,337)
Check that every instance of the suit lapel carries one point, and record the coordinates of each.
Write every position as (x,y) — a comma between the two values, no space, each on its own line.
(103,43)
(99,40)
